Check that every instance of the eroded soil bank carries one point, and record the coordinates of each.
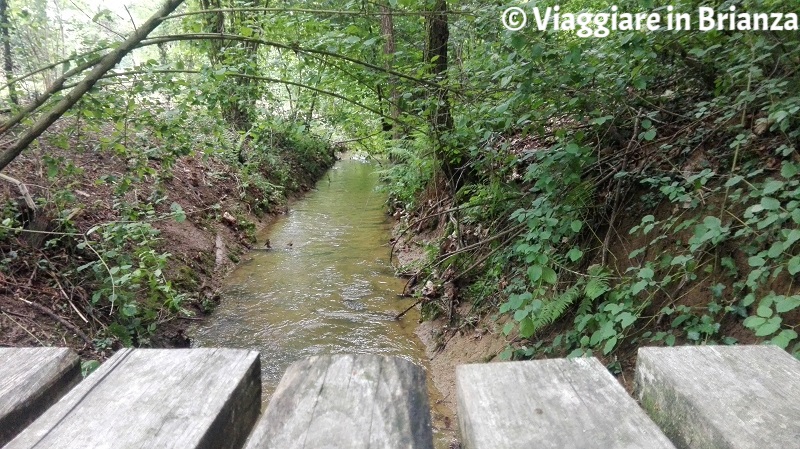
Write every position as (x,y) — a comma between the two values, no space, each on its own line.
(445,346)
(205,211)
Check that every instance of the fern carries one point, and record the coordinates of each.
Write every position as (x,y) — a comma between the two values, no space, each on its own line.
(554,309)
(596,287)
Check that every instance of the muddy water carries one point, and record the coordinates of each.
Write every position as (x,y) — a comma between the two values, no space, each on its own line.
(325,287)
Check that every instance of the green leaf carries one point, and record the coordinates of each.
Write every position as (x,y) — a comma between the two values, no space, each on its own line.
(764,310)
(626,319)
(784,304)
(793,236)
(88,367)
(534,272)
(754,322)
(788,170)
(526,328)
(609,346)
(775,250)
(756,261)
(578,352)
(122,333)
(549,275)
(649,135)
(574,254)
(178,213)
(639,286)
(769,328)
(576,225)
(793,266)
(784,338)
(734,180)
(601,120)
(772,186)
(769,203)
(595,288)
(514,303)
(646,273)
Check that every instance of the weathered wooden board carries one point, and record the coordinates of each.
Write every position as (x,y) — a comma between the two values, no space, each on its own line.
(715,397)
(347,401)
(31,380)
(156,398)
(558,404)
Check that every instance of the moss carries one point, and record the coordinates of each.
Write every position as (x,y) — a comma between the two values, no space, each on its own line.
(186,278)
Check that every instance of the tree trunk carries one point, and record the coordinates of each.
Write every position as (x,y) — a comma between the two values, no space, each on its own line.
(440,118)
(8,62)
(107,63)
(387,30)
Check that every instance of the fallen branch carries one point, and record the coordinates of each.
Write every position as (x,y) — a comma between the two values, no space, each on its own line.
(400,315)
(615,202)
(61,320)
(23,190)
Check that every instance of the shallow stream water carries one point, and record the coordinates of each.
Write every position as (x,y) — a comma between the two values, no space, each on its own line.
(325,287)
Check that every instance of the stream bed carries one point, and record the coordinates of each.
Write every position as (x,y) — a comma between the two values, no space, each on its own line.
(325,287)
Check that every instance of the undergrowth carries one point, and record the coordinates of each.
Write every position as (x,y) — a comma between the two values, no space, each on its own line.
(647,187)
(101,252)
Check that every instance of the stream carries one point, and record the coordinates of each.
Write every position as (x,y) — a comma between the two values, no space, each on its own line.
(325,287)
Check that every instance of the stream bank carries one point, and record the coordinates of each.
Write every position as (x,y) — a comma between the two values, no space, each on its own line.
(445,347)
(164,229)
(323,286)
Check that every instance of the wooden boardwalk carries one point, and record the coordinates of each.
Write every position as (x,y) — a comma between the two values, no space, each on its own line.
(709,397)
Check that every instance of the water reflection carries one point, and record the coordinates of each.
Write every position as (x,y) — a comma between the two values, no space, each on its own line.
(326,286)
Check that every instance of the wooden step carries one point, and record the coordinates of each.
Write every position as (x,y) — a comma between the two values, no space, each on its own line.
(731,397)
(156,398)
(347,401)
(554,404)
(31,380)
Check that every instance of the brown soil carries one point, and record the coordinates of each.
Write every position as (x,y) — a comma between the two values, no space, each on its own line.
(446,348)
(43,305)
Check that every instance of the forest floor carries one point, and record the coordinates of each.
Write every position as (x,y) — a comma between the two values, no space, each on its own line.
(45,302)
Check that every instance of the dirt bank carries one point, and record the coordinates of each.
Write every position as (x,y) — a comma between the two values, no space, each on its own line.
(446,347)
(205,215)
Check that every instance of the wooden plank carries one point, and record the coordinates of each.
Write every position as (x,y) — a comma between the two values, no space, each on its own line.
(31,380)
(554,404)
(722,397)
(347,401)
(156,398)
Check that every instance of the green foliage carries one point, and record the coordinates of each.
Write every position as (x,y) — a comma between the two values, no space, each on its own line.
(552,224)
(408,175)
(685,143)
(131,277)
(573,139)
